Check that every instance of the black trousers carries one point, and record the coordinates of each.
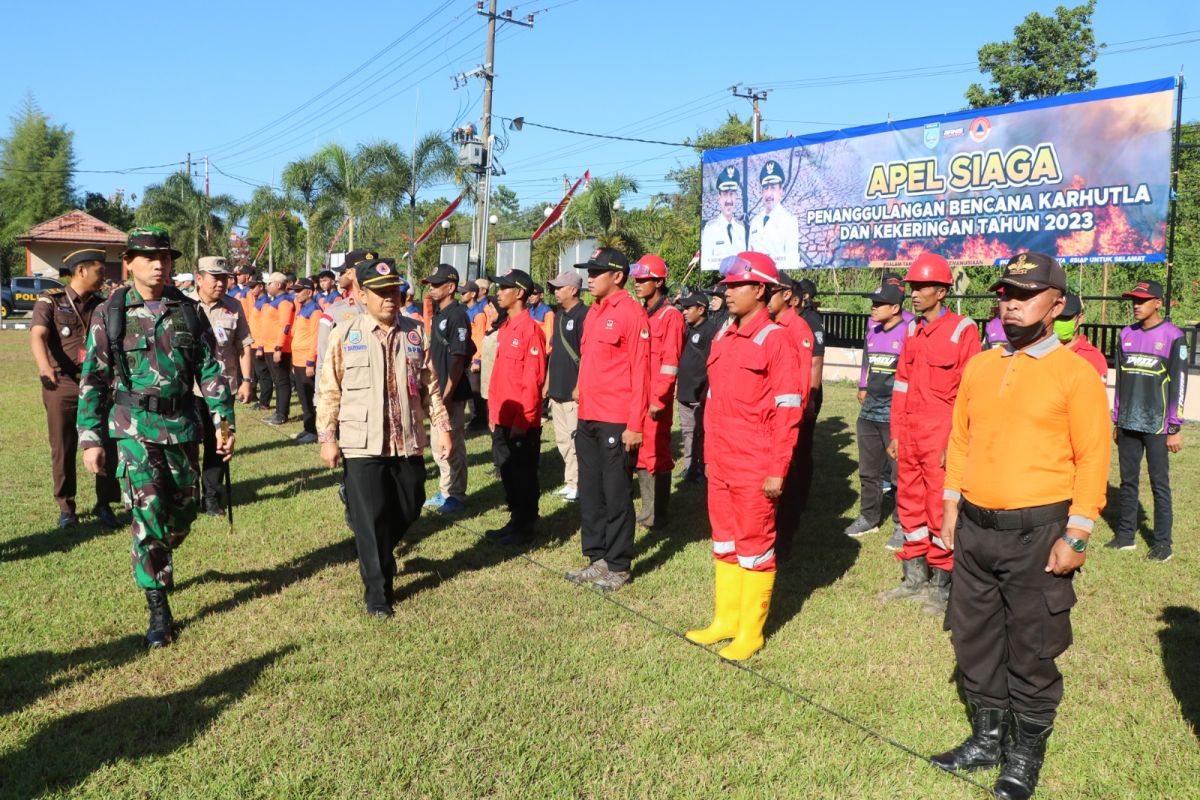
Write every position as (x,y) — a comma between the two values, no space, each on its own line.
(212,467)
(1130,446)
(874,467)
(383,498)
(517,460)
(798,480)
(1009,618)
(281,376)
(264,381)
(305,389)
(479,410)
(605,493)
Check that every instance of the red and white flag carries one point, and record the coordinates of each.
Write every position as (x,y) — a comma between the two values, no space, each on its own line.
(561,208)
(258,255)
(433,225)
(338,235)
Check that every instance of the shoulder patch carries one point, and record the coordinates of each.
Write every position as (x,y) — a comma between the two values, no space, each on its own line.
(54,291)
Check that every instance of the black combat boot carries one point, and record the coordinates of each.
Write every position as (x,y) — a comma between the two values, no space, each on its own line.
(660,516)
(982,748)
(161,630)
(915,583)
(106,517)
(1024,752)
(939,592)
(646,491)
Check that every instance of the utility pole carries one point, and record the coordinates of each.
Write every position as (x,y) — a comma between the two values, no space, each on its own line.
(206,176)
(479,230)
(189,166)
(754,97)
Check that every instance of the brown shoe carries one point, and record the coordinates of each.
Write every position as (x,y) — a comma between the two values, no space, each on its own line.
(611,581)
(587,574)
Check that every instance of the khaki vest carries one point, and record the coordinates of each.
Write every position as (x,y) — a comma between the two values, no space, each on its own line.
(361,422)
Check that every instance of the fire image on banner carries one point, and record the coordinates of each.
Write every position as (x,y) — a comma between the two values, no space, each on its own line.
(1083,176)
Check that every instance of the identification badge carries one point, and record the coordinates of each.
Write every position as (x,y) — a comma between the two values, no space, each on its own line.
(66,330)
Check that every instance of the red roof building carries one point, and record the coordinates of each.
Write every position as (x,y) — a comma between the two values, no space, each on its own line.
(48,242)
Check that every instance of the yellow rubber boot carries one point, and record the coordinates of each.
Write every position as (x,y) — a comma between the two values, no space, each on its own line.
(728,591)
(756,602)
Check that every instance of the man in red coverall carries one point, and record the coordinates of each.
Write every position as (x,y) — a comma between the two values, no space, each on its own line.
(515,407)
(755,404)
(935,353)
(613,389)
(782,306)
(654,462)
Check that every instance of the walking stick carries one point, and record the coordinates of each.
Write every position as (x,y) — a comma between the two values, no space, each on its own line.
(228,479)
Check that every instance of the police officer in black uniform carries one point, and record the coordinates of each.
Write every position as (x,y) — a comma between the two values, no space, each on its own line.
(693,382)
(61,317)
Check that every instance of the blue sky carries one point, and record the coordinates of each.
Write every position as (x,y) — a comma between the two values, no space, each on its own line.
(218,77)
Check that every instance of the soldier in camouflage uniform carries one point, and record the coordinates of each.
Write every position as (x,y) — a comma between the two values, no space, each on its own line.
(140,385)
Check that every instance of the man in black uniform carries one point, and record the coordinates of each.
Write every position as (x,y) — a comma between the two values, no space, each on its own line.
(451,349)
(564,374)
(60,321)
(693,383)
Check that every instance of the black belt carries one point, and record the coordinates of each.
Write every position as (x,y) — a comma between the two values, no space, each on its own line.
(1016,519)
(153,403)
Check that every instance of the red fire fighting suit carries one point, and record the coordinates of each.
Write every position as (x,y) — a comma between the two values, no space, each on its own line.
(931,365)
(666,345)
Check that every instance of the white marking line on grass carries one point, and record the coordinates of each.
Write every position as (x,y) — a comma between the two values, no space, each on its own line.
(748,670)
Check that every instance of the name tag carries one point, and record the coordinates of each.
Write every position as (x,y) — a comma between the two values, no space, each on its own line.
(352,348)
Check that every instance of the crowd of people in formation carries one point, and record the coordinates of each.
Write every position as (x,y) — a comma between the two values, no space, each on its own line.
(995,445)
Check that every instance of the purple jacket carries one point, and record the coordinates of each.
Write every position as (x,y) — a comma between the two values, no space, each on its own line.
(1151,378)
(880,357)
(993,334)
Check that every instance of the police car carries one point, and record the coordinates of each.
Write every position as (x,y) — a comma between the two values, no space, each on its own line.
(22,293)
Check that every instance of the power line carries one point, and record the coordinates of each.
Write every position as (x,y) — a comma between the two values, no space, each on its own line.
(123,171)
(520,122)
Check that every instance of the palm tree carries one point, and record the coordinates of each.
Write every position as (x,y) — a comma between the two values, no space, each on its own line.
(349,180)
(593,209)
(266,211)
(302,194)
(198,223)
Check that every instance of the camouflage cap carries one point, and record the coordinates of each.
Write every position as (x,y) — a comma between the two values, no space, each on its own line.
(149,239)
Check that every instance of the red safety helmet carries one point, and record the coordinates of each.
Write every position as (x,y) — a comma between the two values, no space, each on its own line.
(749,267)
(929,268)
(647,267)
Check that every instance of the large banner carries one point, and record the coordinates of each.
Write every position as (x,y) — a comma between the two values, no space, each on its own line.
(1085,177)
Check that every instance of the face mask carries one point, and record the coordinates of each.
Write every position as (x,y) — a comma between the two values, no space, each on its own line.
(1064,329)
(1021,336)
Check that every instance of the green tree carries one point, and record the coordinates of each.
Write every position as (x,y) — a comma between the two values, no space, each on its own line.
(350,181)
(112,209)
(37,161)
(302,194)
(594,211)
(268,214)
(504,203)
(199,224)
(1047,56)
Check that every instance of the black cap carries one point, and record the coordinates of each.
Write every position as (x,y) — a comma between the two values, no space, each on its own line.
(305,283)
(889,293)
(1146,290)
(377,274)
(1032,272)
(537,289)
(245,269)
(804,286)
(469,286)
(717,291)
(516,278)
(443,274)
(693,299)
(82,256)
(894,278)
(325,273)
(606,259)
(1071,307)
(356,257)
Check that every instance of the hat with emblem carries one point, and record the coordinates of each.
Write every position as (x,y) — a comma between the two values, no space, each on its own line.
(888,293)
(516,279)
(770,173)
(1146,290)
(606,259)
(693,299)
(213,265)
(1032,272)
(75,258)
(729,179)
(377,274)
(356,257)
(149,239)
(443,274)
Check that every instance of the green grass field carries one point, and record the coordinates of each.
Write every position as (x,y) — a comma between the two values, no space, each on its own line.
(497,678)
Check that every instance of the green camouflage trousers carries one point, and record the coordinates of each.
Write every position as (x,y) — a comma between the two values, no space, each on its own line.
(159,483)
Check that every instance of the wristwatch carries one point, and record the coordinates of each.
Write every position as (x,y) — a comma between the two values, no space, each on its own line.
(1078,545)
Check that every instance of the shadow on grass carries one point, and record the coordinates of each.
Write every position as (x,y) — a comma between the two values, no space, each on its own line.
(1180,642)
(63,754)
(27,677)
(36,545)
(1112,515)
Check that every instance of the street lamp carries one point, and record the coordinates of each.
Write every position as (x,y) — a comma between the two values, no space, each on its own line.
(547,211)
(445,230)
(493,219)
(617,204)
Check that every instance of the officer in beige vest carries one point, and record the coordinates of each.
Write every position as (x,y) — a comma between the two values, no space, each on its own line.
(375,395)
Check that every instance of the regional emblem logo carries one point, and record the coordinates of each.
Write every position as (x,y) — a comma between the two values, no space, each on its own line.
(933,135)
(354,337)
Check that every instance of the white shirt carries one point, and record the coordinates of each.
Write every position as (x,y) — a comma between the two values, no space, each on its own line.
(778,235)
(721,238)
